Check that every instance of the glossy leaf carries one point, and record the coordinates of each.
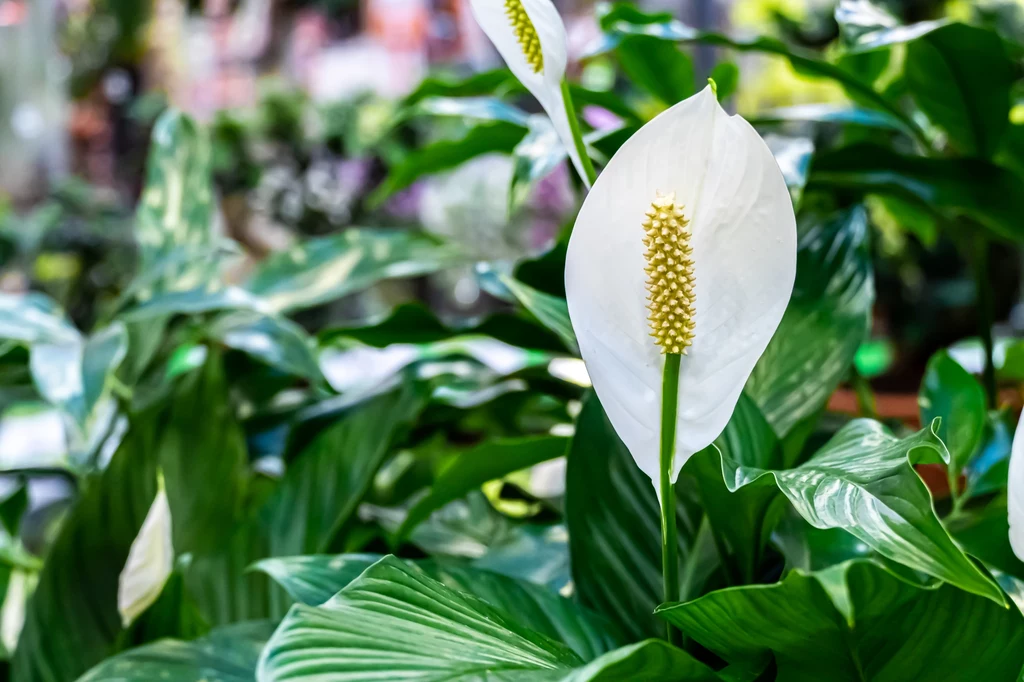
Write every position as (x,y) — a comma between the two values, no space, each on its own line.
(443,155)
(276,341)
(551,311)
(75,375)
(857,622)
(313,580)
(862,481)
(950,392)
(328,479)
(865,25)
(960,76)
(327,268)
(615,533)
(445,635)
(827,318)
(624,20)
(227,654)
(989,194)
(176,207)
(486,462)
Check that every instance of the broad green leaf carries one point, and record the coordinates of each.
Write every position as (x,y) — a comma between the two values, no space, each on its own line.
(276,341)
(615,533)
(828,113)
(75,375)
(414,323)
(446,154)
(857,622)
(471,469)
(865,25)
(551,311)
(204,460)
(327,268)
(960,76)
(194,302)
(657,67)
(176,206)
(625,20)
(325,483)
(313,580)
(71,620)
(32,318)
(827,318)
(727,79)
(742,519)
(989,194)
(862,481)
(227,654)
(950,392)
(393,620)
(984,533)
(478,84)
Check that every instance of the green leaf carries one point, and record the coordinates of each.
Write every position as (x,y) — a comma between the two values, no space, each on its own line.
(313,580)
(989,194)
(657,67)
(551,311)
(34,318)
(534,158)
(176,207)
(394,620)
(75,375)
(488,461)
(625,20)
(743,519)
(985,533)
(614,525)
(71,620)
(827,318)
(865,26)
(486,109)
(727,79)
(950,392)
(325,483)
(204,461)
(327,268)
(862,481)
(478,84)
(227,654)
(828,113)
(194,302)
(501,137)
(277,341)
(857,622)
(960,77)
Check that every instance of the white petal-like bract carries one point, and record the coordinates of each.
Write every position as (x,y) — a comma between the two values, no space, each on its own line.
(545,83)
(743,239)
(150,562)
(1015,492)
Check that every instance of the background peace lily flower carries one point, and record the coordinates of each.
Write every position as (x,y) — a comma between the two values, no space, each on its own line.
(686,245)
(530,36)
(1015,492)
(150,562)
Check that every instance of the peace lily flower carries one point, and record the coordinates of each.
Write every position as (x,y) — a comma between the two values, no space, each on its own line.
(678,271)
(530,36)
(150,562)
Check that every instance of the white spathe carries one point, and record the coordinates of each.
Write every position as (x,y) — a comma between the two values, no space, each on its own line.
(150,562)
(744,254)
(546,86)
(1015,492)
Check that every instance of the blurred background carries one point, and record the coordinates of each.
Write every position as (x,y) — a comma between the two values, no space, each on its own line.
(300,99)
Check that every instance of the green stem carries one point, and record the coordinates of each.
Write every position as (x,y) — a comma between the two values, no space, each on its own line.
(669,536)
(577,136)
(983,292)
(866,404)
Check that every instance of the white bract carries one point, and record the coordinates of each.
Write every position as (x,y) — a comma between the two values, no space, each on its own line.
(685,245)
(150,562)
(530,36)
(1015,492)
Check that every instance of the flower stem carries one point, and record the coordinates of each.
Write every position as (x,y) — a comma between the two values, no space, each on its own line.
(983,292)
(577,136)
(667,493)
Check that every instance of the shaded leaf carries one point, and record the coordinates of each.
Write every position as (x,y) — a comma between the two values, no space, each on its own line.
(950,392)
